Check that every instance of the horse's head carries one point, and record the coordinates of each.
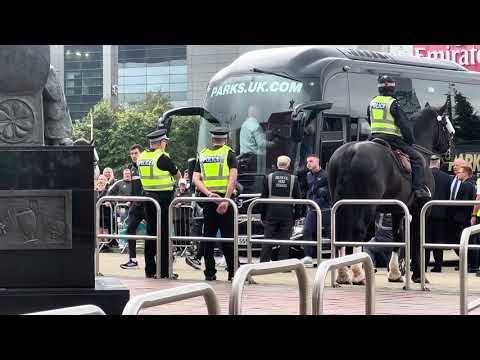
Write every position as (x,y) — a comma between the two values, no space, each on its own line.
(433,129)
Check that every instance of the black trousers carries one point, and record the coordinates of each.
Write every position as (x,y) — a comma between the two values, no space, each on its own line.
(135,216)
(212,223)
(278,230)
(164,198)
(456,230)
(436,232)
(418,172)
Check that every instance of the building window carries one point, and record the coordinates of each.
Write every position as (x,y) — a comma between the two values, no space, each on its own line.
(144,69)
(83,78)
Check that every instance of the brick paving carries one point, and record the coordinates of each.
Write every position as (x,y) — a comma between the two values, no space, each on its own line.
(277,294)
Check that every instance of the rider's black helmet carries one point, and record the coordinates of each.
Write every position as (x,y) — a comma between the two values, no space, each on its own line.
(386,85)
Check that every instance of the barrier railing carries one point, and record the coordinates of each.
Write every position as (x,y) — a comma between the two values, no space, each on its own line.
(172,238)
(75,310)
(424,245)
(333,264)
(132,237)
(167,296)
(379,202)
(251,240)
(466,307)
(245,271)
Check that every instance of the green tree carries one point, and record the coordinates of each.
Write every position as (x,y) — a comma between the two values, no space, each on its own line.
(115,131)
(466,120)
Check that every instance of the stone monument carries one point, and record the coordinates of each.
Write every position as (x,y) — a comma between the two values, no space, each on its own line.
(47,202)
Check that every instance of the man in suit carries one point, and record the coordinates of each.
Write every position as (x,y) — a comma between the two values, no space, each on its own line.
(462,188)
(437,225)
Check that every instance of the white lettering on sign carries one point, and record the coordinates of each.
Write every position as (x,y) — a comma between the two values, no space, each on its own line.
(289,87)
(464,55)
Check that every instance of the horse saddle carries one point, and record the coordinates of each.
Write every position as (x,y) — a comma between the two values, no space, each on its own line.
(401,159)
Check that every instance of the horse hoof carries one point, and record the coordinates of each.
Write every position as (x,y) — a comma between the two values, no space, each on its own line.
(344,282)
(359,283)
(252,282)
(398,280)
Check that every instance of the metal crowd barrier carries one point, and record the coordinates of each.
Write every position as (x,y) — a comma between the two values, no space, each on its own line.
(75,310)
(382,202)
(424,245)
(162,297)
(245,271)
(312,203)
(182,221)
(465,307)
(132,237)
(333,264)
(172,238)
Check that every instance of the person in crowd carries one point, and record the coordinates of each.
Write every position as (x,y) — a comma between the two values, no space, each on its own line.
(462,189)
(101,190)
(122,188)
(215,176)
(108,173)
(437,222)
(278,220)
(157,174)
(136,213)
(318,191)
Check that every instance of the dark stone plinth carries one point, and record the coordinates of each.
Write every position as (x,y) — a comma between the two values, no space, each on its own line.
(109,294)
(68,169)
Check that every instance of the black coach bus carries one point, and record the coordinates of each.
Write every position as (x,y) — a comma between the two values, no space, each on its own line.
(264,86)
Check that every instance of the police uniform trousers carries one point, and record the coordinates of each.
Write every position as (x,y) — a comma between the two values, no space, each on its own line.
(135,216)
(213,223)
(164,198)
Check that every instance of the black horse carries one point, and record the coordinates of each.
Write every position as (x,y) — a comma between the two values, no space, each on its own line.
(369,170)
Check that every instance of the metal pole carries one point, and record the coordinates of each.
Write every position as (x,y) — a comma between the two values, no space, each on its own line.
(463,254)
(332,264)
(167,296)
(203,199)
(235,304)
(286,202)
(131,199)
(423,243)
(375,202)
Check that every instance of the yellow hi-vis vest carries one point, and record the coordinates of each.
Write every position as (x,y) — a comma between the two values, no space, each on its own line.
(214,168)
(152,178)
(381,120)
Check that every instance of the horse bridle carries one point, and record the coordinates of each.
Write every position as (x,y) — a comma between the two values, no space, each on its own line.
(443,136)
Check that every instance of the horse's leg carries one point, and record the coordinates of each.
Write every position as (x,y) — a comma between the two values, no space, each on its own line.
(343,275)
(394,273)
(357,270)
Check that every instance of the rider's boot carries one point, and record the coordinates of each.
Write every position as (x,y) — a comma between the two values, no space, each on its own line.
(422,194)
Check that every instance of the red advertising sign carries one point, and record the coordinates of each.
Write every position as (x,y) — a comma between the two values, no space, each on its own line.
(465,55)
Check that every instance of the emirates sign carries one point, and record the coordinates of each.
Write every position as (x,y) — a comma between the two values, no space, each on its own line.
(465,55)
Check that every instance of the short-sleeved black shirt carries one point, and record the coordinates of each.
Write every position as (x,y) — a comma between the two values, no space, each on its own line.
(231,160)
(166,164)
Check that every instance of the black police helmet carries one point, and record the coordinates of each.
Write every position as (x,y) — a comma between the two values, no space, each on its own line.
(386,84)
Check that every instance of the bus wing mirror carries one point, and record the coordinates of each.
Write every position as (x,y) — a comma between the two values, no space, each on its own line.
(315,106)
(165,120)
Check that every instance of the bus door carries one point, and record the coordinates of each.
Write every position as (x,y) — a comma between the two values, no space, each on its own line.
(334,132)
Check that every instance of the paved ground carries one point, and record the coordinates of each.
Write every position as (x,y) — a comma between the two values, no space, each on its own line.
(277,294)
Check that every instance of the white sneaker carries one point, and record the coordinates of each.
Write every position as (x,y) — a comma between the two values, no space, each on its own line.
(307,261)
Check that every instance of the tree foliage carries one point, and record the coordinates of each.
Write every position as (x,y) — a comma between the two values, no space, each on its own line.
(116,130)
(466,120)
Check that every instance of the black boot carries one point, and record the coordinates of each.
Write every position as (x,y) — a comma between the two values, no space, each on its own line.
(422,194)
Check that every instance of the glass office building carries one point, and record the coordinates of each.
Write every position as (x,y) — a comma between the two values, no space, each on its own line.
(151,69)
(83,76)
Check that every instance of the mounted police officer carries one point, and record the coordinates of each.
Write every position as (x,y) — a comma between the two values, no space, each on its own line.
(389,122)
(215,175)
(157,174)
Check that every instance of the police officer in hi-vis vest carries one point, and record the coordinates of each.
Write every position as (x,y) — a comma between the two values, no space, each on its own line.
(157,174)
(215,175)
(388,122)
